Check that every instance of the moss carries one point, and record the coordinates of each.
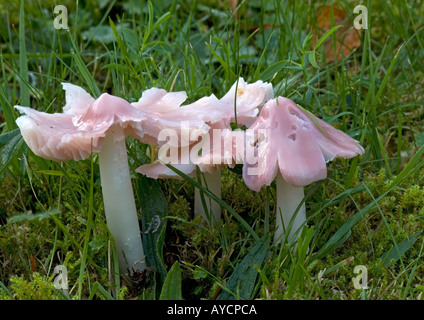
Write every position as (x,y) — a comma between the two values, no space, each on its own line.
(397,217)
(412,201)
(35,288)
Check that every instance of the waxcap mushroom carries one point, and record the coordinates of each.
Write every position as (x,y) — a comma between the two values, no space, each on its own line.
(89,125)
(293,147)
(296,143)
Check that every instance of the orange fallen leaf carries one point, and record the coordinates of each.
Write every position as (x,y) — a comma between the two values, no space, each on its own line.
(347,37)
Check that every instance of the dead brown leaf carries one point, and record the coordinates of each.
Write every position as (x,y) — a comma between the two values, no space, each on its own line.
(347,37)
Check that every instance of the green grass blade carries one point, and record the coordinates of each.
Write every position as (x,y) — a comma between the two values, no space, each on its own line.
(10,146)
(153,206)
(99,290)
(23,59)
(87,232)
(171,289)
(82,68)
(243,279)
(32,217)
(396,252)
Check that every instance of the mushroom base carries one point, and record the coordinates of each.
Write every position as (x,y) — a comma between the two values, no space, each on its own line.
(118,198)
(289,219)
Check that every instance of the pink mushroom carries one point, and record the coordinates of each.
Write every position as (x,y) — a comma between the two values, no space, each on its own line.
(242,104)
(293,146)
(89,125)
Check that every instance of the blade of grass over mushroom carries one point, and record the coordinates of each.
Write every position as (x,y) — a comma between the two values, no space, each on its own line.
(114,264)
(377,105)
(336,240)
(310,115)
(214,197)
(243,279)
(153,206)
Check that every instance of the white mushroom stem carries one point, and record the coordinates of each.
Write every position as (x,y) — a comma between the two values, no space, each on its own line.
(118,198)
(211,181)
(288,199)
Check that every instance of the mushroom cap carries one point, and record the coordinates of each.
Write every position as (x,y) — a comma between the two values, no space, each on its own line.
(218,114)
(77,99)
(164,111)
(250,98)
(214,155)
(297,143)
(157,170)
(79,130)
(226,148)
(211,110)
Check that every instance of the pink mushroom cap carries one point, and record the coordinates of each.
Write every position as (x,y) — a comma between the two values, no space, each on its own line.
(218,114)
(250,97)
(295,142)
(164,111)
(80,129)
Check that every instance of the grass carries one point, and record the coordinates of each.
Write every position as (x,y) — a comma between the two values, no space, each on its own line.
(368,212)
